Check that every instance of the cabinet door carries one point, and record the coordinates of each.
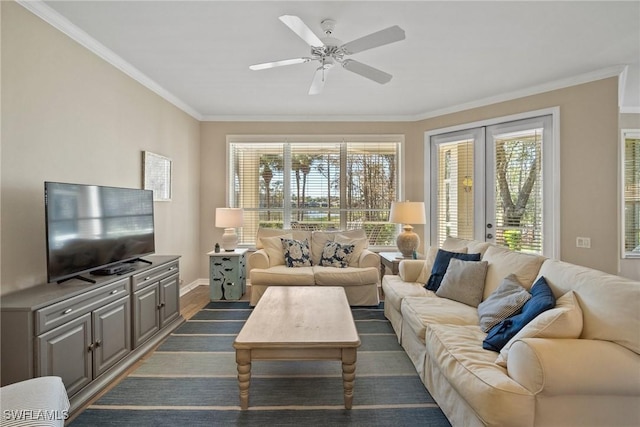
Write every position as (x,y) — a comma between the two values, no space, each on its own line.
(170,299)
(146,319)
(64,352)
(111,334)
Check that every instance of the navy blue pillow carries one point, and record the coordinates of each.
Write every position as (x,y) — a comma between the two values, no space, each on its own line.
(541,300)
(441,264)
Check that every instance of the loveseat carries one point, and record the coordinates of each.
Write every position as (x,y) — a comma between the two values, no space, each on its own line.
(331,258)
(575,364)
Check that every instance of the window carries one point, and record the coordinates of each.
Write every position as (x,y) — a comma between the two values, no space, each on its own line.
(315,183)
(631,193)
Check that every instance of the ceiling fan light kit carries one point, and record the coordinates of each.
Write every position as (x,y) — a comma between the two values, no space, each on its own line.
(330,51)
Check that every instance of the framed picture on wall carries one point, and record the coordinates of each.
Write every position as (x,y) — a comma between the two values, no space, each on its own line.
(156,171)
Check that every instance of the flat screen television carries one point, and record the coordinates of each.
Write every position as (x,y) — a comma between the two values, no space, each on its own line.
(93,228)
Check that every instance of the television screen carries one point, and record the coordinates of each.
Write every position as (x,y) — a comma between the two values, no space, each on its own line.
(91,227)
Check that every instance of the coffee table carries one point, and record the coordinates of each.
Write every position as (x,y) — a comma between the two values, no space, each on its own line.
(299,323)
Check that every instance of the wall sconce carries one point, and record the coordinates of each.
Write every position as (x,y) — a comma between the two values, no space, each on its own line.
(467,183)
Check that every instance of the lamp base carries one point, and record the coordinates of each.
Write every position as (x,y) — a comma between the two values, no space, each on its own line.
(229,240)
(407,241)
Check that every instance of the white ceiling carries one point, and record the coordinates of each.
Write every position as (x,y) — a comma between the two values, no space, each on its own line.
(456,54)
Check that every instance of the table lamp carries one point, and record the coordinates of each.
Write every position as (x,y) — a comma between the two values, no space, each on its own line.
(229,219)
(407,213)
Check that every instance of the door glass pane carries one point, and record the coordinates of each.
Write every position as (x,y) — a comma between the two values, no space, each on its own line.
(455,211)
(518,190)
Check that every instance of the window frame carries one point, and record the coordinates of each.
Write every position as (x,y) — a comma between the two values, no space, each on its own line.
(624,135)
(310,139)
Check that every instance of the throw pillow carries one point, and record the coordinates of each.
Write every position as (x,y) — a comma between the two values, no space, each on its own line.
(541,300)
(504,302)
(563,321)
(464,281)
(296,253)
(440,266)
(336,255)
(273,247)
(359,245)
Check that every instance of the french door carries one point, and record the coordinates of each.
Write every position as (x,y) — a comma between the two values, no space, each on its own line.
(495,183)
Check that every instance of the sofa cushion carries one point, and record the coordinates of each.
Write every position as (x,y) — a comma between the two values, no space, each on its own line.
(442,262)
(503,262)
(541,300)
(320,237)
(273,247)
(464,281)
(272,232)
(296,253)
(502,303)
(336,255)
(281,275)
(418,312)
(604,299)
(562,321)
(497,399)
(395,289)
(348,276)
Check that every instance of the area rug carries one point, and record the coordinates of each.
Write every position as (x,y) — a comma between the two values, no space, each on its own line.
(190,380)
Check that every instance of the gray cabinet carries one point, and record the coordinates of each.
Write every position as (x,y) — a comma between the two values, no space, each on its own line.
(89,334)
(156,301)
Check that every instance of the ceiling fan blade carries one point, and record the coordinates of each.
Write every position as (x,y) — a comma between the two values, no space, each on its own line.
(281,63)
(380,38)
(319,78)
(367,71)
(300,28)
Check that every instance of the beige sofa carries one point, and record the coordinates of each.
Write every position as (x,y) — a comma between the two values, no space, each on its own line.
(582,370)
(360,279)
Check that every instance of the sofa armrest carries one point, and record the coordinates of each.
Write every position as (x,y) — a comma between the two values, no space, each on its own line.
(574,367)
(410,269)
(369,259)
(259,259)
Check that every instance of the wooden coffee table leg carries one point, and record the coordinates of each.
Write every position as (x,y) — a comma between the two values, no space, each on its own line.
(243,359)
(348,374)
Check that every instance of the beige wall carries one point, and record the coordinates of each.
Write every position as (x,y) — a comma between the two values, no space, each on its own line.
(588,154)
(69,116)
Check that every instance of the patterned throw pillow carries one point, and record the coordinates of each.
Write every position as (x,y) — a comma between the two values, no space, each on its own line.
(336,255)
(296,253)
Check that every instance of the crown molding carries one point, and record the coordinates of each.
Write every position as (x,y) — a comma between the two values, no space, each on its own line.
(53,18)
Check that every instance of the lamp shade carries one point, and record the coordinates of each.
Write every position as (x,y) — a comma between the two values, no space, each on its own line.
(407,213)
(229,217)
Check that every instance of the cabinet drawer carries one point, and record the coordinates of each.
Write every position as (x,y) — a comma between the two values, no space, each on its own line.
(64,311)
(153,275)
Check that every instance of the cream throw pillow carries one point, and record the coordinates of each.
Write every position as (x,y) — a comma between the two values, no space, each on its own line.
(562,321)
(273,248)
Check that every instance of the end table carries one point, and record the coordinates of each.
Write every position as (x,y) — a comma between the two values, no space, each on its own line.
(227,274)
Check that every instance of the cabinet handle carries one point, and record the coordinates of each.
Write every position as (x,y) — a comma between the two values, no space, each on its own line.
(172,268)
(90,348)
(161,305)
(115,291)
(67,311)
(98,344)
(147,278)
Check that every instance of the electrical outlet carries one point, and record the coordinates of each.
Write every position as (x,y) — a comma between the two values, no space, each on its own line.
(583,242)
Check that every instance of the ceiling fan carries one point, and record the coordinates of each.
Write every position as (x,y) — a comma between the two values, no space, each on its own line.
(329,51)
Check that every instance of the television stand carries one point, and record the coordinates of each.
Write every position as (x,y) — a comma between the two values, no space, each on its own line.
(140,260)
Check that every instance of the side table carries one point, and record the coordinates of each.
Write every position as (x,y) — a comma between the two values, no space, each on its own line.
(227,275)
(391,261)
